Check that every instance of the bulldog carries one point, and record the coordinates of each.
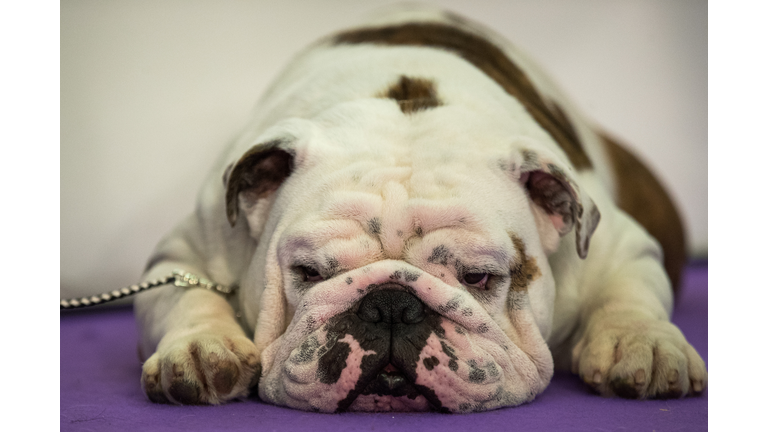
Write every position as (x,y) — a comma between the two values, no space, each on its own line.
(417,219)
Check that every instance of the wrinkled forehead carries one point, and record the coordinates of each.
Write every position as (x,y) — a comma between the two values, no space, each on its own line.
(396,205)
(390,175)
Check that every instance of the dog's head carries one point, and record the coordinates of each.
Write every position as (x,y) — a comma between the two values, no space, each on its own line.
(402,258)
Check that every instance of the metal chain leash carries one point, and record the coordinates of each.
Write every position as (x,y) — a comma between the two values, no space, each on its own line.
(178,278)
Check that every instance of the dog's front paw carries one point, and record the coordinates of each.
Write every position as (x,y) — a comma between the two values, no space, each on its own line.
(201,369)
(637,357)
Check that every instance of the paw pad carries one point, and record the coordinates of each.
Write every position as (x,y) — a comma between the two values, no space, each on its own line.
(185,392)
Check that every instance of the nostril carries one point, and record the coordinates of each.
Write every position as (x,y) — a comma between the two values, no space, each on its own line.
(391,306)
(413,314)
(369,312)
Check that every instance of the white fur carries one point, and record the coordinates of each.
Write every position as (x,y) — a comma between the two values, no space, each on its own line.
(358,157)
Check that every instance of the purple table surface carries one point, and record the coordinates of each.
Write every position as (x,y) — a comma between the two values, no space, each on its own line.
(100,391)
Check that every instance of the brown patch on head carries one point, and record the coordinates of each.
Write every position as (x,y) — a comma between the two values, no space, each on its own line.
(492,61)
(642,196)
(525,270)
(413,94)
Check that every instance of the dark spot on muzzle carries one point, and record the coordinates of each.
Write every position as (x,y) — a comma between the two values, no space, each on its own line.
(476,375)
(411,276)
(374,226)
(440,255)
(306,351)
(431,362)
(333,363)
(452,364)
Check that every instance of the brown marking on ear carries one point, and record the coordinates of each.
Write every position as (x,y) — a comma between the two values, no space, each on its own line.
(260,171)
(525,270)
(492,61)
(413,94)
(549,192)
(550,188)
(642,196)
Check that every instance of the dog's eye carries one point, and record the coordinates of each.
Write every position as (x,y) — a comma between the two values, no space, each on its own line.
(310,274)
(477,280)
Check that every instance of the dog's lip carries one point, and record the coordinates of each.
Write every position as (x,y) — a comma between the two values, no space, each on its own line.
(391,381)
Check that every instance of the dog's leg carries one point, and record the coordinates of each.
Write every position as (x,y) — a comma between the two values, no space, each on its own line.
(626,345)
(201,353)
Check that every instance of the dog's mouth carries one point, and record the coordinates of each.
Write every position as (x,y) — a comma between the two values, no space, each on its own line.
(390,381)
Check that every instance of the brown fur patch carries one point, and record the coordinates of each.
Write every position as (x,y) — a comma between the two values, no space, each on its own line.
(413,94)
(489,59)
(642,196)
(525,270)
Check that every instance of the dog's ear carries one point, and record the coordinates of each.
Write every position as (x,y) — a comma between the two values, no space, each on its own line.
(558,195)
(257,175)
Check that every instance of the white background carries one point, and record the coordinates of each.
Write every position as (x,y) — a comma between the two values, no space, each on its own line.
(152,90)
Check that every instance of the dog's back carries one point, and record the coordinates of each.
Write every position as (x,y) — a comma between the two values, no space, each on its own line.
(633,186)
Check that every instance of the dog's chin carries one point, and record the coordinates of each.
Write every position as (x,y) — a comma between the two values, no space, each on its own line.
(387,403)
(390,390)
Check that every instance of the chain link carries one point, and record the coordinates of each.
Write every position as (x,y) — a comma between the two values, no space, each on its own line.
(178,277)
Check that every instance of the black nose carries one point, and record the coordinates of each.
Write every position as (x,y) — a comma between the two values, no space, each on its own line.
(391,306)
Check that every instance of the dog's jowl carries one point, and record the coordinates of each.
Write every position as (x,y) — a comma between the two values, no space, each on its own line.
(418,220)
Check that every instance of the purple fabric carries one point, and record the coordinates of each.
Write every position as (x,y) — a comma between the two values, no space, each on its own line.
(100,391)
